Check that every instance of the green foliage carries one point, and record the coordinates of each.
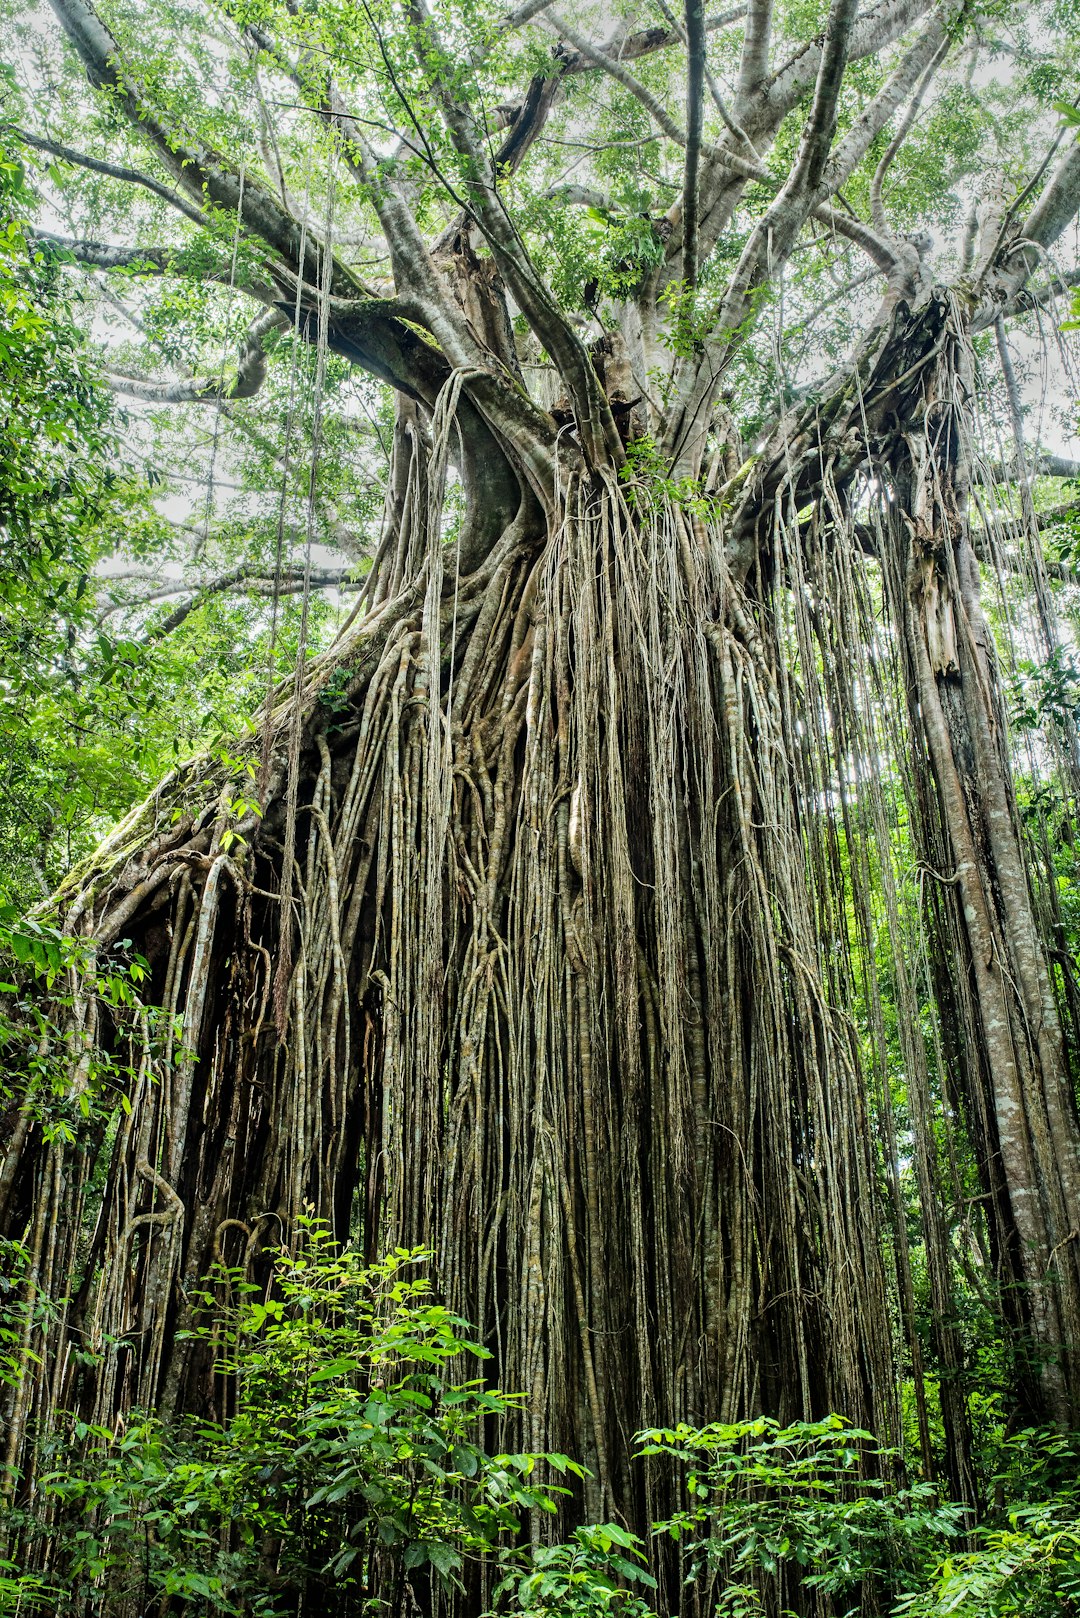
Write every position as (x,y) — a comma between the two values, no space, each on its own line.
(1047,692)
(38,1076)
(353,1453)
(24,1593)
(578,1579)
(59,483)
(76,701)
(54,429)
(96,703)
(355,1457)
(647,479)
(1028,1569)
(812,1504)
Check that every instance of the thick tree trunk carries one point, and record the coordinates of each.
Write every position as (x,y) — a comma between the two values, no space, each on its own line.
(551,1005)
(1009,1048)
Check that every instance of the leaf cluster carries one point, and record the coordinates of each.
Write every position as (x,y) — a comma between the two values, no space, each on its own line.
(353,1458)
(814,1505)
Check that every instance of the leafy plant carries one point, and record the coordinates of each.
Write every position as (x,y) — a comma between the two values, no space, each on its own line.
(37,1076)
(810,1505)
(594,1572)
(1029,1567)
(1047,693)
(353,1456)
(1026,1557)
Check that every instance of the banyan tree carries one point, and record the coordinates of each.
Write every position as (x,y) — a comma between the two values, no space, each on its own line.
(634,892)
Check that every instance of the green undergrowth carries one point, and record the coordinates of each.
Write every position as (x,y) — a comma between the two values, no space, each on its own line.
(348,1460)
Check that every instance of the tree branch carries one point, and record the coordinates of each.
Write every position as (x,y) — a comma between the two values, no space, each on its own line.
(1057,206)
(877,206)
(878,248)
(1044,297)
(679,31)
(754,64)
(523,14)
(722,181)
(643,43)
(818,135)
(695,95)
(108,256)
(1014,260)
(158,261)
(1054,466)
(579,196)
(912,73)
(773,238)
(1042,464)
(878,27)
(526,123)
(115,171)
(817,175)
(249,378)
(418,282)
(365,330)
(200,171)
(595,423)
(597,57)
(248,579)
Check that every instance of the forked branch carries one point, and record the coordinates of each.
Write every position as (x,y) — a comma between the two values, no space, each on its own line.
(1021,251)
(595,423)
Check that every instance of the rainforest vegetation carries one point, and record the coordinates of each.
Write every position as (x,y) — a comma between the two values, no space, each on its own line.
(540,813)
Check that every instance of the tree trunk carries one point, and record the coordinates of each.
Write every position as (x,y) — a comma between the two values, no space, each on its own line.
(551,1003)
(1009,1049)
(531,958)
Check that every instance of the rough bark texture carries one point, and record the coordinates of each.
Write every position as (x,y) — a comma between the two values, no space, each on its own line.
(1016,1064)
(552,1010)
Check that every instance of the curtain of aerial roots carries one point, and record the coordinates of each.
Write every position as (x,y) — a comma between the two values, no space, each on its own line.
(1008,1063)
(917,860)
(559,1006)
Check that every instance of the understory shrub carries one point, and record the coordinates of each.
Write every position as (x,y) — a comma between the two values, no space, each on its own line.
(348,1462)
